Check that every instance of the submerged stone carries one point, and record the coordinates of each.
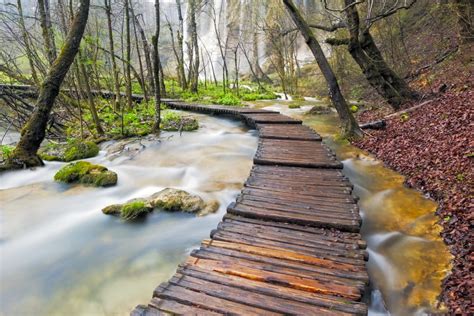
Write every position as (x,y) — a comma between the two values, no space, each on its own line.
(86,173)
(70,151)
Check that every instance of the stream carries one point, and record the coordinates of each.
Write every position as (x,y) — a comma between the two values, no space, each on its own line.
(407,257)
(59,255)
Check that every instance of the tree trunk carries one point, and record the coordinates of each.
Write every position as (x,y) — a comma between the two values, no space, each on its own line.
(194,42)
(128,57)
(465,12)
(46,29)
(140,64)
(367,55)
(156,69)
(25,153)
(26,40)
(146,50)
(179,36)
(108,12)
(349,125)
(83,77)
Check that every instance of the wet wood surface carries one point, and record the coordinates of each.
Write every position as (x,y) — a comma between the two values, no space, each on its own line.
(288,245)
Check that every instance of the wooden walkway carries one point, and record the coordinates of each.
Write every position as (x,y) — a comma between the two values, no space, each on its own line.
(289,244)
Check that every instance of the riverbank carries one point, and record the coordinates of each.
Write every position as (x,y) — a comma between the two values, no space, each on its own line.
(433,147)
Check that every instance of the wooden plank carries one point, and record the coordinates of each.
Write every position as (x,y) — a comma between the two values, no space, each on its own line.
(323,236)
(329,212)
(170,307)
(208,302)
(295,282)
(215,253)
(212,254)
(335,197)
(287,131)
(293,218)
(254,299)
(347,237)
(286,254)
(347,256)
(312,240)
(332,303)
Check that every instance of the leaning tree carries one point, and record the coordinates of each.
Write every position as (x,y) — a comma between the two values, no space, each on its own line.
(350,127)
(25,153)
(361,44)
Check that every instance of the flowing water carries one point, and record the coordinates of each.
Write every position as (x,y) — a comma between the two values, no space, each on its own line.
(407,257)
(59,255)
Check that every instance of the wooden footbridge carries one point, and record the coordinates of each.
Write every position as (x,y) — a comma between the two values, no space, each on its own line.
(289,244)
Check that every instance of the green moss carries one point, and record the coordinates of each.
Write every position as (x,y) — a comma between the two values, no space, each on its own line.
(404,117)
(80,150)
(354,108)
(72,150)
(174,121)
(6,151)
(134,210)
(86,173)
(294,106)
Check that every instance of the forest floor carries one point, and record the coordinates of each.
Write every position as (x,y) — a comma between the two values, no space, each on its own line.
(433,146)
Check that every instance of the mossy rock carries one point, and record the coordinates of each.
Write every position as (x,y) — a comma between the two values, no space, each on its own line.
(294,106)
(114,209)
(319,109)
(86,173)
(174,200)
(70,151)
(210,208)
(186,124)
(135,209)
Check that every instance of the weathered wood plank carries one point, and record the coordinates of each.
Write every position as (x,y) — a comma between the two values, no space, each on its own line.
(295,282)
(254,299)
(332,303)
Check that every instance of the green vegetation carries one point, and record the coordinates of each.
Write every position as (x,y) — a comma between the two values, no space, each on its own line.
(354,108)
(5,151)
(86,173)
(134,209)
(404,117)
(212,94)
(175,121)
(294,106)
(74,149)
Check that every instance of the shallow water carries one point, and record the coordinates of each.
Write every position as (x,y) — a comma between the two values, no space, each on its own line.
(59,255)
(407,257)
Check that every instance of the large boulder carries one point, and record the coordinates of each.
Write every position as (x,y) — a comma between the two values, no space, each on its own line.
(175,200)
(86,173)
(172,200)
(70,151)
(174,121)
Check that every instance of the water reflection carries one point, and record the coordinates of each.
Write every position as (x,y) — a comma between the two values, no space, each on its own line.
(59,255)
(407,257)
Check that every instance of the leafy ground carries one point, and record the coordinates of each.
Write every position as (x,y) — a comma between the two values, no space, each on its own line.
(433,146)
